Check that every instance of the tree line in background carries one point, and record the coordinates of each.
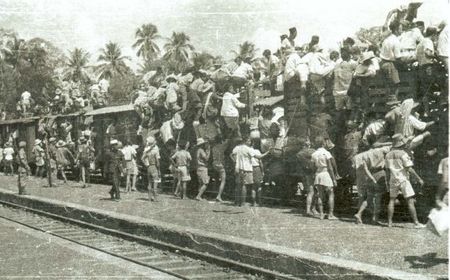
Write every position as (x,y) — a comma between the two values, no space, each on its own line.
(38,66)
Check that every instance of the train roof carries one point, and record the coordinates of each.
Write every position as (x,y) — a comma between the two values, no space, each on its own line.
(22,120)
(268,101)
(111,110)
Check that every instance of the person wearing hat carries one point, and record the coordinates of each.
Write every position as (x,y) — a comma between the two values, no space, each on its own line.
(394,116)
(203,154)
(397,167)
(8,156)
(24,168)
(84,158)
(151,160)
(64,159)
(39,155)
(114,168)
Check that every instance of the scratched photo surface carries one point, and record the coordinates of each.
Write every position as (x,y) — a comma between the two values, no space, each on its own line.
(250,139)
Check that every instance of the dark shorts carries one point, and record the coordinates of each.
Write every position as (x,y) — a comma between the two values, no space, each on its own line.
(245,177)
(257,175)
(390,72)
(232,122)
(220,169)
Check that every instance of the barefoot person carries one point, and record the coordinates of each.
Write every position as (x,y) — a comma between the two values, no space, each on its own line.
(151,158)
(64,158)
(181,160)
(218,154)
(397,165)
(84,157)
(324,180)
(203,153)
(24,168)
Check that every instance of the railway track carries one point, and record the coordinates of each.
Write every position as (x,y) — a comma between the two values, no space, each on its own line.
(176,261)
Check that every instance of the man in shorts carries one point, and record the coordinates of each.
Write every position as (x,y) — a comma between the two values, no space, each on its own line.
(203,153)
(390,54)
(84,158)
(181,160)
(397,165)
(242,155)
(370,180)
(324,180)
(218,160)
(151,158)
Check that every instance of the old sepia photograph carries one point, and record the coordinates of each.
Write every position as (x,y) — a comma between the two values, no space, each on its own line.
(224,139)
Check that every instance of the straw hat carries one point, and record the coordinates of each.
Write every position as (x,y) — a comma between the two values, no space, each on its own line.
(366,56)
(51,139)
(173,77)
(177,122)
(37,141)
(392,100)
(82,139)
(201,141)
(114,142)
(60,144)
(151,140)
(22,144)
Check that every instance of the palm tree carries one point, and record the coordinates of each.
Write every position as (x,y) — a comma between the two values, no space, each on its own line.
(145,42)
(77,65)
(202,60)
(246,49)
(178,51)
(113,62)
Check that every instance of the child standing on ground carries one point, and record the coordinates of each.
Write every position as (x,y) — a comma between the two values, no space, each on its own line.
(203,153)
(181,160)
(151,158)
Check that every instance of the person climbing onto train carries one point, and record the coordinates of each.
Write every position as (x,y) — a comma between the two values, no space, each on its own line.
(397,165)
(64,159)
(229,110)
(84,157)
(24,168)
(114,168)
(181,161)
(39,158)
(203,154)
(324,180)
(151,159)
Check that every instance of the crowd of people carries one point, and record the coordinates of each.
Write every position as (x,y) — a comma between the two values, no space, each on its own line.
(204,119)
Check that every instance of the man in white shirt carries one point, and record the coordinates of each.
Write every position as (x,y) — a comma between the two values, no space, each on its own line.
(243,73)
(442,45)
(320,68)
(296,73)
(409,41)
(425,58)
(390,53)
(129,154)
(229,110)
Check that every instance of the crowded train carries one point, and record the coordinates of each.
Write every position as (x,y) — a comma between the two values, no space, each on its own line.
(369,119)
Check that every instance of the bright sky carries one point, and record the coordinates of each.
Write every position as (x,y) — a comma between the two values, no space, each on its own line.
(215,26)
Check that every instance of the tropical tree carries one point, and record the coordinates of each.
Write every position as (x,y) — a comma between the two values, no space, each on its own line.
(246,50)
(146,36)
(178,51)
(112,61)
(77,66)
(202,60)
